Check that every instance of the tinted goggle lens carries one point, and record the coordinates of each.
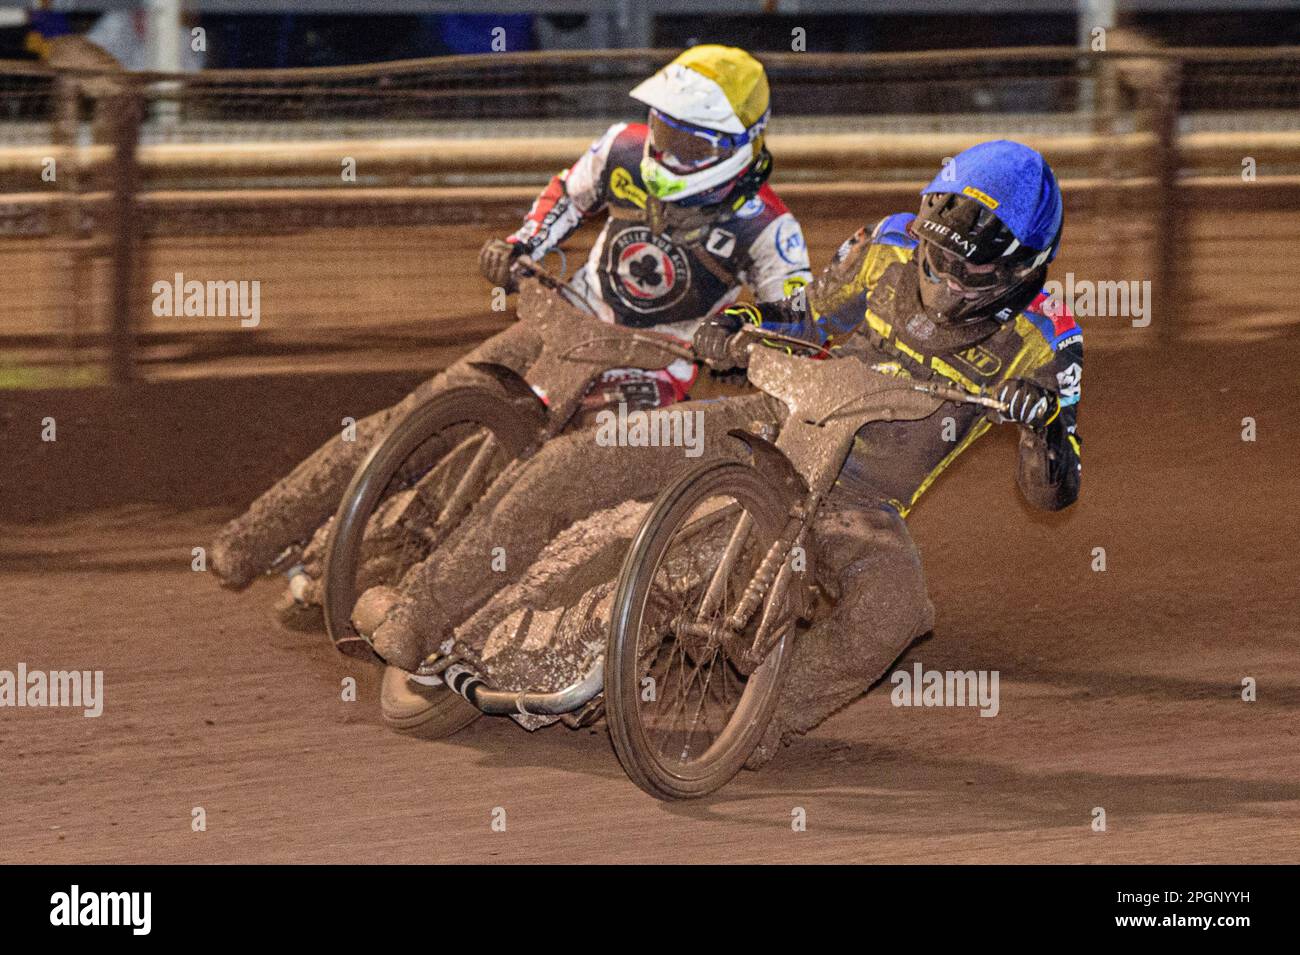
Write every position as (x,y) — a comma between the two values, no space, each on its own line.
(939,261)
(682,150)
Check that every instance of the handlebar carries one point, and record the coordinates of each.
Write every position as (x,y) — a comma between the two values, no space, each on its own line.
(949,393)
(525,268)
(741,346)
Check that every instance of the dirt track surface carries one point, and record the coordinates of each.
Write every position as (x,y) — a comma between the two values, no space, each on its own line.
(1119,689)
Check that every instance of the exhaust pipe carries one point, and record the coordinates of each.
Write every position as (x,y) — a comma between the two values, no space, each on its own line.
(528,702)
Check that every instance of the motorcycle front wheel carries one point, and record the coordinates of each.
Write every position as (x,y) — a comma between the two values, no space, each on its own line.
(411,491)
(684,708)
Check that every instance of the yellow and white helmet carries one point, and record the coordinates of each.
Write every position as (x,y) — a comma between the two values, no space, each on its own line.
(708,110)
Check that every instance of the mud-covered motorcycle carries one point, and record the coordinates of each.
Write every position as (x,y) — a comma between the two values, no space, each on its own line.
(286,528)
(429,469)
(694,637)
(717,580)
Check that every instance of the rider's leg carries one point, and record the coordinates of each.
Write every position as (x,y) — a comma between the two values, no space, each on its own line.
(300,502)
(539,631)
(867,556)
(570,478)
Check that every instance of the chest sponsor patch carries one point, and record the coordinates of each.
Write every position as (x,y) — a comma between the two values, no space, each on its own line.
(645,272)
(623,186)
(753,207)
(979,360)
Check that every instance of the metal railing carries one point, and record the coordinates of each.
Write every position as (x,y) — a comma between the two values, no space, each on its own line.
(100,170)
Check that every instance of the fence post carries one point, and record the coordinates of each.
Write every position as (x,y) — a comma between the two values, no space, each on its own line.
(125,113)
(1156,77)
(1170,212)
(67,220)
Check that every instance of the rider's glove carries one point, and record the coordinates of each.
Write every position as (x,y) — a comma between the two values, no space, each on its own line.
(1028,404)
(494,261)
(713,336)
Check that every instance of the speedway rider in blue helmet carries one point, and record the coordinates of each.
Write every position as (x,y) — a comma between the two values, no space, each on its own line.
(953,293)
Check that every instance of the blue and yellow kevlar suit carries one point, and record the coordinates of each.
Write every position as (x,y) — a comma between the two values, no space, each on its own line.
(864,304)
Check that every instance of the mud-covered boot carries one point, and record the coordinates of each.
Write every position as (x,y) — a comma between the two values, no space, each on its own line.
(372,607)
(409,633)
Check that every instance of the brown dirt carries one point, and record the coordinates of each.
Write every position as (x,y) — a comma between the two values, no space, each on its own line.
(1119,689)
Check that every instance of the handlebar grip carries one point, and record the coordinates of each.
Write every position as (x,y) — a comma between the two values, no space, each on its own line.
(738,349)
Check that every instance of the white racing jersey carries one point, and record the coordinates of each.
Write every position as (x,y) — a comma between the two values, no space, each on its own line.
(637,278)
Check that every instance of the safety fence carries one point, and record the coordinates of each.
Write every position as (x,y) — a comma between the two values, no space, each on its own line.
(355,197)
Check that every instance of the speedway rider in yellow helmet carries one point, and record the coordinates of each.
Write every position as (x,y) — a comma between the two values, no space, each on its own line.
(709,109)
(689,219)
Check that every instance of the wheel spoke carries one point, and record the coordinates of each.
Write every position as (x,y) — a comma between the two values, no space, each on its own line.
(436,460)
(704,695)
(695,585)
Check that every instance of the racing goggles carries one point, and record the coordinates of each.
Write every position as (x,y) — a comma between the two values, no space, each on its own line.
(684,148)
(940,263)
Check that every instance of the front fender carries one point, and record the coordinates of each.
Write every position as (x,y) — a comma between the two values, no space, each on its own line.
(509,379)
(772,463)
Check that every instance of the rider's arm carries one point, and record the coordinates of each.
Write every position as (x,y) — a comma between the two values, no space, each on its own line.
(824,311)
(778,261)
(833,305)
(1049,463)
(567,200)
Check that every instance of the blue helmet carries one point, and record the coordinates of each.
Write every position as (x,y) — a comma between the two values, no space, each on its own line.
(989,223)
(1001,180)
